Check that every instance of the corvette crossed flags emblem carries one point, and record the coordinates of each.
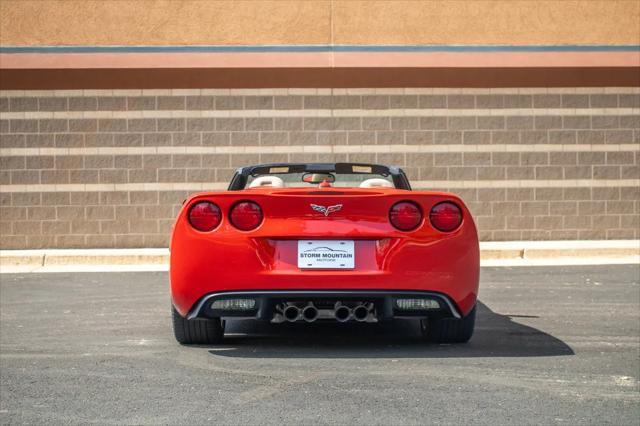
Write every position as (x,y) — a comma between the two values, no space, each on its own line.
(326,210)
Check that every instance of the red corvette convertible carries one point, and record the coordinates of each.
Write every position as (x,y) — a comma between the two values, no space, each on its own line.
(315,242)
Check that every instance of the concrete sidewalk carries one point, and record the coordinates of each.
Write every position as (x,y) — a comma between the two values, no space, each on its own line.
(510,253)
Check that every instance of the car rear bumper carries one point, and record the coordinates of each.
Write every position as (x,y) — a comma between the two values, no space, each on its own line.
(266,302)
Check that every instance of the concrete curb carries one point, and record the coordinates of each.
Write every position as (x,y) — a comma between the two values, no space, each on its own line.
(56,257)
(559,249)
(508,253)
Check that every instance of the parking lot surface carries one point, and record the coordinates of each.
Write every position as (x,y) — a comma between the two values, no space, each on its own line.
(553,345)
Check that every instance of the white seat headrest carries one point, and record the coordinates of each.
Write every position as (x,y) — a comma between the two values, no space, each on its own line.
(272,181)
(376,183)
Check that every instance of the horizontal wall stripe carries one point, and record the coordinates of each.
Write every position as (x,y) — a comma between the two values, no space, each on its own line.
(558,183)
(322,91)
(238,102)
(418,112)
(318,60)
(319,48)
(111,187)
(196,186)
(594,71)
(319,149)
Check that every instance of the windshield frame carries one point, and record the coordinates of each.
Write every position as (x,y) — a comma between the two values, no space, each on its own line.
(399,178)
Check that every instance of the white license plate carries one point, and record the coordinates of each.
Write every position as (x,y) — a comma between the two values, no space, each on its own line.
(326,254)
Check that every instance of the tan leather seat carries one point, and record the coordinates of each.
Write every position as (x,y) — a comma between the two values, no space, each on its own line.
(270,181)
(376,183)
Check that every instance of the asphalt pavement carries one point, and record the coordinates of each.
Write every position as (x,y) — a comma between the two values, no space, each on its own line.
(553,345)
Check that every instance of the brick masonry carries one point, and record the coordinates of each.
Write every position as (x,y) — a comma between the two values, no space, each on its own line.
(110,168)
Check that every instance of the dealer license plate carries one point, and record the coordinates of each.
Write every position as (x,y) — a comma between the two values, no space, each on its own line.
(326,254)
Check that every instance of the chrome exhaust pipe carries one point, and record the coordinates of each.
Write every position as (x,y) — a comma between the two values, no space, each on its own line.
(310,313)
(291,313)
(360,313)
(342,313)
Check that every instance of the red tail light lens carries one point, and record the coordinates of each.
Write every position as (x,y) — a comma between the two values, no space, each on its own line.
(446,216)
(405,215)
(205,216)
(246,215)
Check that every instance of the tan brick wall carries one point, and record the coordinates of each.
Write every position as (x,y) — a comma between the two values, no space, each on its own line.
(110,168)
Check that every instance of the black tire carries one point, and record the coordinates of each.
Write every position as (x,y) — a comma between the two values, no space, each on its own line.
(197,331)
(449,330)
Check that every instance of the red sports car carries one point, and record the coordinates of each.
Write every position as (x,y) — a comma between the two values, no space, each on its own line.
(314,242)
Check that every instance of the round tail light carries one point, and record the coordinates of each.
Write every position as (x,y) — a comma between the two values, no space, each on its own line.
(246,215)
(445,216)
(405,215)
(204,216)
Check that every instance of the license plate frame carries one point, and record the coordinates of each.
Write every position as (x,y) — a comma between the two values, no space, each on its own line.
(326,254)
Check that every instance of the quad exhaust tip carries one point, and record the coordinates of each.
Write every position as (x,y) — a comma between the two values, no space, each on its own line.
(291,313)
(360,313)
(342,313)
(310,313)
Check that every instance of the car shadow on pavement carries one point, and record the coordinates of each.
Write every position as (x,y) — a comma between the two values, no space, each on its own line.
(495,335)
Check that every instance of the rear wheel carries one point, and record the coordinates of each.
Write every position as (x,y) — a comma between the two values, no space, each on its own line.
(196,331)
(449,330)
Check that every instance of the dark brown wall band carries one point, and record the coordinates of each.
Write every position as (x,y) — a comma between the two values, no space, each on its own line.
(43,79)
